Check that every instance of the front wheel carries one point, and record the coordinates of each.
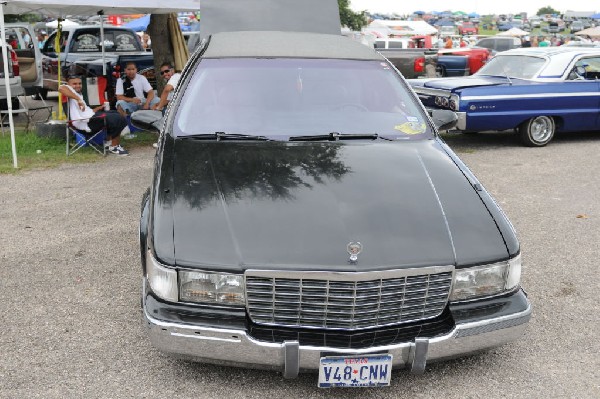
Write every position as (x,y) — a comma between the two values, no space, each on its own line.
(538,131)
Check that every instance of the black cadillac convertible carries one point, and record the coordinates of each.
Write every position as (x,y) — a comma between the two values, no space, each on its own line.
(304,214)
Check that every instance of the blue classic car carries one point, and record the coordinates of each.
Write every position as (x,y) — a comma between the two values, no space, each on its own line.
(537,91)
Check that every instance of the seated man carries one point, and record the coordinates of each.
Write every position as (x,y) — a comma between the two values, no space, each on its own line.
(130,91)
(171,79)
(92,120)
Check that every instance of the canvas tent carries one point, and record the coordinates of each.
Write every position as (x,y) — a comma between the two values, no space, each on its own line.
(594,33)
(515,32)
(62,8)
(404,28)
(139,24)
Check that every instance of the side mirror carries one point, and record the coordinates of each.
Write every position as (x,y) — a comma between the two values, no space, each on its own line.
(147,119)
(444,119)
(580,71)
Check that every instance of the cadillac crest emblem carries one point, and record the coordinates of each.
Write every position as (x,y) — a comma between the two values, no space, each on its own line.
(354,248)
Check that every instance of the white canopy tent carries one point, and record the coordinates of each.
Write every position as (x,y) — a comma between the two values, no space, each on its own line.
(404,28)
(65,23)
(61,8)
(514,32)
(593,33)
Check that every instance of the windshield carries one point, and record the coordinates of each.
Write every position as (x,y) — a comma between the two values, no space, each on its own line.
(89,40)
(514,66)
(281,98)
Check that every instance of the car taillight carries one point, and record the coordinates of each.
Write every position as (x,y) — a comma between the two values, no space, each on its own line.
(15,62)
(420,64)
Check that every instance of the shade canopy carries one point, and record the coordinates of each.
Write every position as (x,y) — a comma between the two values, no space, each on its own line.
(515,32)
(65,24)
(62,8)
(591,32)
(139,24)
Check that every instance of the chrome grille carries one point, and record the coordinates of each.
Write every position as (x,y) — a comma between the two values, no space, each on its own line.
(346,301)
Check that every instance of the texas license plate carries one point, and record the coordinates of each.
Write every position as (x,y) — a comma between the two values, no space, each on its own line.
(355,371)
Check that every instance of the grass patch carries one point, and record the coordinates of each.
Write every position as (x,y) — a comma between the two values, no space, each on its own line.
(34,152)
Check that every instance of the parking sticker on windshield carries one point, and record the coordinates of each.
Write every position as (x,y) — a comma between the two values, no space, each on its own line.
(411,127)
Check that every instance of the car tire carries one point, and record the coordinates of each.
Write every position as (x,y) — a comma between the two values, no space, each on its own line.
(537,131)
(440,71)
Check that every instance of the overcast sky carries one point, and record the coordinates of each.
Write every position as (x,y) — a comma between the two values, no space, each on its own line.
(479,6)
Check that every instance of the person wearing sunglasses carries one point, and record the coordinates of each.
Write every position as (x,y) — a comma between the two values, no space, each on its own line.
(172,79)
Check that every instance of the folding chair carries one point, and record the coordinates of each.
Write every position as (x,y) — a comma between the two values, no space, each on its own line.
(28,110)
(81,138)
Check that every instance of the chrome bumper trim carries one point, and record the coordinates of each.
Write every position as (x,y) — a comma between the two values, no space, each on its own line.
(462,121)
(236,348)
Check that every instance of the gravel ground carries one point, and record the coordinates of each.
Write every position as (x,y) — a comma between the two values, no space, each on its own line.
(70,286)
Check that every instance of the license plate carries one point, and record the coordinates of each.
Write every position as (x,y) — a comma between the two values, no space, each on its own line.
(355,371)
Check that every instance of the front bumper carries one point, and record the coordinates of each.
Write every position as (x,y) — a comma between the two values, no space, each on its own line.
(235,347)
(461,124)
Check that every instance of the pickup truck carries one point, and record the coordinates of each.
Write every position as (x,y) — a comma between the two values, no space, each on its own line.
(81,53)
(461,61)
(412,62)
(27,62)
(14,80)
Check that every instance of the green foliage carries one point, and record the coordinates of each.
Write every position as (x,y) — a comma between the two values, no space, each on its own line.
(30,18)
(354,21)
(547,10)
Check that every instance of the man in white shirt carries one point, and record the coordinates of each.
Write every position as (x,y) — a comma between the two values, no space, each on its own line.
(130,91)
(90,120)
(172,79)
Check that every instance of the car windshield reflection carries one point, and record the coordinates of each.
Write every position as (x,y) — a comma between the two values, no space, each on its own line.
(514,66)
(283,98)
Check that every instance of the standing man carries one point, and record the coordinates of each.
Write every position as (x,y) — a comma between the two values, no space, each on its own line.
(133,91)
(92,120)
(172,79)
(449,43)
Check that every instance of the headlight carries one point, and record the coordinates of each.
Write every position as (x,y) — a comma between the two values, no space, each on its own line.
(481,281)
(205,287)
(162,280)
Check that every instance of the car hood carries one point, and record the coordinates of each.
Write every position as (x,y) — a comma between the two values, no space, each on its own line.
(461,82)
(234,206)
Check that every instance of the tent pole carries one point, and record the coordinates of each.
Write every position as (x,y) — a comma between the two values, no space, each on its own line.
(101,14)
(57,49)
(8,93)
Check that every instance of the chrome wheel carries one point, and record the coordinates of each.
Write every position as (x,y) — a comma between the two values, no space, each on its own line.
(538,131)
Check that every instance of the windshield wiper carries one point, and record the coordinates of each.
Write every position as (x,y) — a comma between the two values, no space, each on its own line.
(335,136)
(220,136)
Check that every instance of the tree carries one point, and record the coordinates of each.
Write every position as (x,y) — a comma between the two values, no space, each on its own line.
(547,10)
(349,18)
(30,18)
(162,49)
